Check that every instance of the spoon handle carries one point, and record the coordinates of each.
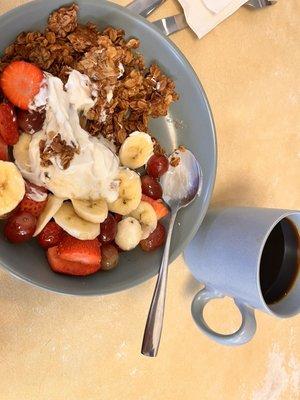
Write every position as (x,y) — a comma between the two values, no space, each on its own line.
(154,322)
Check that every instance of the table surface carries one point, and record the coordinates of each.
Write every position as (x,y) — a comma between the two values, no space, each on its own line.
(62,348)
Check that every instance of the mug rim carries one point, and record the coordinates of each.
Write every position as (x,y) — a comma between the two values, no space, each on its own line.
(269,310)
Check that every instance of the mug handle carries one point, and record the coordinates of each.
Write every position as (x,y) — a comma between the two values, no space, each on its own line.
(245,332)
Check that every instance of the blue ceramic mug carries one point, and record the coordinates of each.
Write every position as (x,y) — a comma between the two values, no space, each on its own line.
(251,255)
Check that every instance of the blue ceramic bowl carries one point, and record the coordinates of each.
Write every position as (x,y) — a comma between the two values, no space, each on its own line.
(195,131)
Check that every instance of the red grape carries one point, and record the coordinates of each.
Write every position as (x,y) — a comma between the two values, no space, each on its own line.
(157,165)
(30,121)
(109,256)
(20,227)
(118,217)
(155,239)
(151,188)
(108,229)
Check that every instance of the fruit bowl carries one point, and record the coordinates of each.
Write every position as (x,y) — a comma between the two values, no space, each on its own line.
(188,123)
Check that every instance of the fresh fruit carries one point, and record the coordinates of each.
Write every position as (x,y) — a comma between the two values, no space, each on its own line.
(3,150)
(108,229)
(35,192)
(136,150)
(160,208)
(35,208)
(155,239)
(129,233)
(157,165)
(117,247)
(50,236)
(150,187)
(20,82)
(146,216)
(21,152)
(118,217)
(12,187)
(91,210)
(83,251)
(8,124)
(62,266)
(30,121)
(20,227)
(52,206)
(109,256)
(130,193)
(77,227)
(35,199)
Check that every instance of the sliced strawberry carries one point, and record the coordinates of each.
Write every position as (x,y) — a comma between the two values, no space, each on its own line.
(20,82)
(3,150)
(35,192)
(69,267)
(50,236)
(8,124)
(160,208)
(33,207)
(83,251)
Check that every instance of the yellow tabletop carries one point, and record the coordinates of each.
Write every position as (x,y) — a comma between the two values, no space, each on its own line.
(54,347)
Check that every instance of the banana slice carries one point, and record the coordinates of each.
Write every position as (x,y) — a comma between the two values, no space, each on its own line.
(21,152)
(91,210)
(136,150)
(12,187)
(130,193)
(146,216)
(52,206)
(67,218)
(129,233)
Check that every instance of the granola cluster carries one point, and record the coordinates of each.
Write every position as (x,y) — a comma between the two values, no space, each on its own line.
(175,159)
(129,93)
(56,147)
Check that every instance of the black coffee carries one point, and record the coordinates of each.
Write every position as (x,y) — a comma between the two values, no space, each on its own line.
(280,261)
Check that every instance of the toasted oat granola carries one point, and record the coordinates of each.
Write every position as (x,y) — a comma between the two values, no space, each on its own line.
(57,148)
(129,93)
(175,161)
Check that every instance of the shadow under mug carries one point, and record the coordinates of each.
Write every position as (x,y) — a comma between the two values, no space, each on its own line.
(226,255)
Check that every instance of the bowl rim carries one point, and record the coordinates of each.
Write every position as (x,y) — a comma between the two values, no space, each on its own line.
(210,184)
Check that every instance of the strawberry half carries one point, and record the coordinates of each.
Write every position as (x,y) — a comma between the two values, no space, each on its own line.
(159,207)
(62,266)
(8,124)
(3,150)
(33,207)
(20,82)
(82,251)
(50,236)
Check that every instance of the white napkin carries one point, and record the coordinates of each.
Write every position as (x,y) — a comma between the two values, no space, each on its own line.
(216,5)
(204,15)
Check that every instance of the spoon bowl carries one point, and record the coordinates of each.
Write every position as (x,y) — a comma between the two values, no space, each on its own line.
(187,175)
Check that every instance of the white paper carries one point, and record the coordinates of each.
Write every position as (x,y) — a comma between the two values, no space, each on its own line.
(201,19)
(216,6)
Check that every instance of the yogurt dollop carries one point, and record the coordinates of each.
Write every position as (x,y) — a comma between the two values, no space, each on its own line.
(92,172)
(177,182)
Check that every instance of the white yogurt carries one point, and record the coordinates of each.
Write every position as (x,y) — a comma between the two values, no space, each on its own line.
(93,172)
(177,181)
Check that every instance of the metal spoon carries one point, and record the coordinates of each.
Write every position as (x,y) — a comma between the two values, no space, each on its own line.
(144,7)
(260,3)
(175,23)
(181,184)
